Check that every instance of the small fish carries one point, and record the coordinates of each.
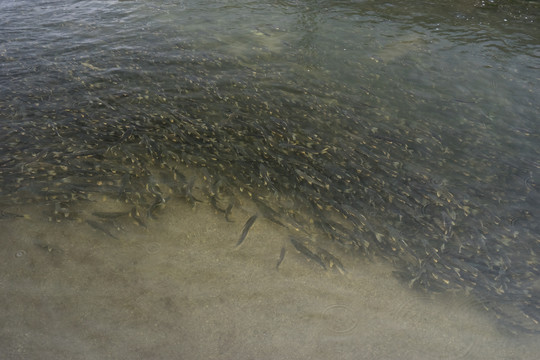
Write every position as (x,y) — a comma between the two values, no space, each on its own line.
(100,227)
(90,66)
(8,215)
(213,202)
(49,248)
(110,214)
(308,253)
(228,212)
(137,217)
(188,192)
(158,203)
(331,260)
(281,257)
(246,228)
(267,211)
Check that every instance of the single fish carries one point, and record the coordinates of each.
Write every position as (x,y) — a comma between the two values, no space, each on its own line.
(49,248)
(159,203)
(281,257)
(331,260)
(101,228)
(308,253)
(228,212)
(137,217)
(110,214)
(249,224)
(188,192)
(9,215)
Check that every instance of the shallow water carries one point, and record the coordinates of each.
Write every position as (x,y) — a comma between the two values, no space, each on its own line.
(182,288)
(400,138)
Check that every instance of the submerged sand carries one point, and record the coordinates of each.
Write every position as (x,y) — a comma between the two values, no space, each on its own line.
(180,288)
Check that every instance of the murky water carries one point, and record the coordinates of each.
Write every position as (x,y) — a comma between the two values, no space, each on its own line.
(395,143)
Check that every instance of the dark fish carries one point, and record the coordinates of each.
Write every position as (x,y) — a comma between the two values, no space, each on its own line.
(308,253)
(246,228)
(101,228)
(214,203)
(281,257)
(310,180)
(126,135)
(265,175)
(331,260)
(110,214)
(49,248)
(178,176)
(8,215)
(267,211)
(158,203)
(228,212)
(188,191)
(137,217)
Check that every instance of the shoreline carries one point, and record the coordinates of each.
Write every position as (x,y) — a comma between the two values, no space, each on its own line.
(181,287)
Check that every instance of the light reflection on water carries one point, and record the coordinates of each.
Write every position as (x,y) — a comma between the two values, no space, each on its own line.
(408,132)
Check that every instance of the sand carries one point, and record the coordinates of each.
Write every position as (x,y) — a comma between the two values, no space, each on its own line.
(181,289)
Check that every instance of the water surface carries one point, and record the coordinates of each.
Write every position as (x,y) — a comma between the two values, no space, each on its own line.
(404,133)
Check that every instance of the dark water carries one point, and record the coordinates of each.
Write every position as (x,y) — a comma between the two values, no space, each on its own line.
(403,130)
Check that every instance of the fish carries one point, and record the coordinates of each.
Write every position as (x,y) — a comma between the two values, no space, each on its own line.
(9,215)
(110,214)
(158,203)
(331,260)
(137,217)
(308,253)
(247,226)
(188,192)
(101,228)
(281,257)
(267,211)
(228,212)
(49,248)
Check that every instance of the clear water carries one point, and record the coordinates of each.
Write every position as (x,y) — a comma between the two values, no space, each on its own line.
(404,131)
